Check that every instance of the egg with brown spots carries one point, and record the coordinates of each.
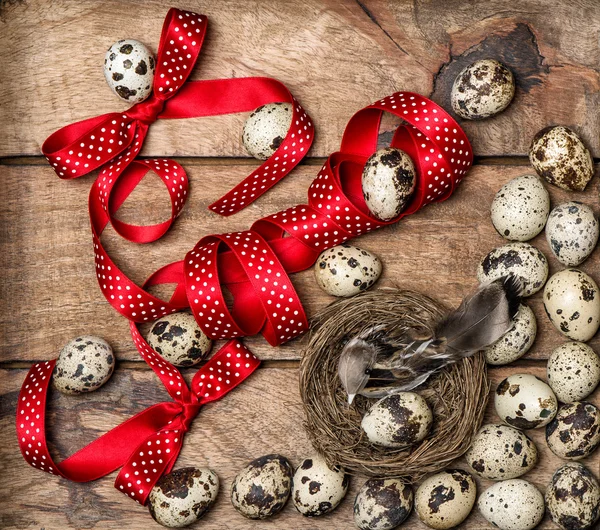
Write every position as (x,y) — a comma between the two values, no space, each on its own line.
(388,182)
(573,371)
(382,504)
(572,303)
(516,342)
(83,365)
(183,496)
(179,339)
(129,70)
(501,452)
(575,431)
(345,270)
(398,420)
(559,156)
(317,488)
(520,259)
(483,89)
(446,499)
(573,498)
(263,487)
(266,129)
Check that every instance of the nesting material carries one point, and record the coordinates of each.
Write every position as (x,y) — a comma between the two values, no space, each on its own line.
(457,395)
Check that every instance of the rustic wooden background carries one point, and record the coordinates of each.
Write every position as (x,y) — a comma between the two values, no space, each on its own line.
(336,57)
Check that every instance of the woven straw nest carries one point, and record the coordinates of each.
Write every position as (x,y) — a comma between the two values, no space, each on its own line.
(457,395)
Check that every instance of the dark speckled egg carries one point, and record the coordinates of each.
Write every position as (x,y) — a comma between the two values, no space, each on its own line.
(575,431)
(129,70)
(263,487)
(382,504)
(266,129)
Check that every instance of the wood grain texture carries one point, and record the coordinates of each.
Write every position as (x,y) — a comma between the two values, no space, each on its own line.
(263,416)
(336,57)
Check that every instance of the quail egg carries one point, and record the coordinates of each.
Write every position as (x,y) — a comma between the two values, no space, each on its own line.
(445,500)
(573,498)
(516,342)
(382,504)
(388,182)
(559,156)
(317,489)
(573,371)
(523,260)
(83,365)
(129,70)
(483,89)
(266,129)
(512,505)
(525,402)
(572,233)
(575,432)
(398,420)
(183,496)
(572,303)
(501,452)
(520,208)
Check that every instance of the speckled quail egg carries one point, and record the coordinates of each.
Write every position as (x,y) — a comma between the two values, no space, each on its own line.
(398,420)
(575,431)
(500,452)
(558,155)
(482,89)
(573,498)
(266,129)
(516,342)
(445,500)
(572,232)
(317,489)
(345,270)
(83,365)
(572,303)
(525,401)
(573,371)
(263,487)
(183,496)
(129,70)
(179,340)
(520,208)
(522,259)
(512,505)
(382,504)
(388,182)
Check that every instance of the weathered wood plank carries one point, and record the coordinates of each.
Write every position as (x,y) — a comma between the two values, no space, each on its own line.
(49,292)
(336,57)
(264,415)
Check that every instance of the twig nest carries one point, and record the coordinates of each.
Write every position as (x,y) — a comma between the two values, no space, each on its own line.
(512,505)
(572,303)
(183,496)
(573,371)
(445,500)
(129,70)
(521,259)
(83,365)
(382,504)
(575,431)
(500,452)
(266,128)
(558,155)
(388,182)
(398,420)
(483,89)
(179,340)
(520,208)
(263,487)
(573,498)
(317,487)
(572,232)
(517,341)
(345,270)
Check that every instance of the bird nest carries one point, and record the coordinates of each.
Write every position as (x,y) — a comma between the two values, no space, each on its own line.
(457,395)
